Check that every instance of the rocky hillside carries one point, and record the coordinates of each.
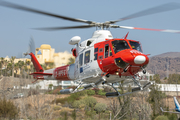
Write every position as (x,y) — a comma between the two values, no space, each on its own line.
(163,64)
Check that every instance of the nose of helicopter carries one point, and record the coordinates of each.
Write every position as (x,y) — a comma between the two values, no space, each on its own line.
(140,59)
(132,59)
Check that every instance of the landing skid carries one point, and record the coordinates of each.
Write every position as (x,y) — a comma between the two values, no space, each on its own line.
(88,86)
(137,89)
(110,94)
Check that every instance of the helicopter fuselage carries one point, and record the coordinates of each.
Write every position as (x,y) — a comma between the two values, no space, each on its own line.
(99,55)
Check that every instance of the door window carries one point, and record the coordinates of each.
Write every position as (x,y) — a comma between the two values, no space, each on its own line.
(80,59)
(95,53)
(87,57)
(106,50)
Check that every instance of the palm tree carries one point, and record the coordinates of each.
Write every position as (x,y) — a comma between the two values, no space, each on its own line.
(9,68)
(16,68)
(2,63)
(51,65)
(5,64)
(71,60)
(44,66)
(21,66)
(12,61)
(32,69)
(28,67)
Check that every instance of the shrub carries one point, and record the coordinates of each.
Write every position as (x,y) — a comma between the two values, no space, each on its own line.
(64,114)
(57,89)
(96,90)
(8,109)
(73,115)
(161,117)
(73,87)
(50,86)
(50,92)
(90,101)
(82,93)
(100,107)
(90,113)
(60,100)
(57,108)
(69,100)
(107,89)
(100,92)
(90,92)
(172,117)
(79,103)
(33,92)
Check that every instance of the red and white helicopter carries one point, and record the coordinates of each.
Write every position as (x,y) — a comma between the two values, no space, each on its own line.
(101,59)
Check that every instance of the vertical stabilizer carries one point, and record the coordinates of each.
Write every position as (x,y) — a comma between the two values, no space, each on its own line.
(176,105)
(36,63)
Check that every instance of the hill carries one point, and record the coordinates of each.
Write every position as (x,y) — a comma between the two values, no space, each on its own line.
(169,54)
(163,64)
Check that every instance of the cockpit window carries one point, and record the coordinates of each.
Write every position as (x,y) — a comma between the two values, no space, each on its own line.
(119,45)
(135,45)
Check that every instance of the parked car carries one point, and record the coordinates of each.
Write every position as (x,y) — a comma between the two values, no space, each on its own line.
(19,95)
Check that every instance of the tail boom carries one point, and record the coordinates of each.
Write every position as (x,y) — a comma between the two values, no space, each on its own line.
(64,73)
(36,63)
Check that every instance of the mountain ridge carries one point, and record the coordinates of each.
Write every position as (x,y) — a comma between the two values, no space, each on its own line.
(164,64)
(168,54)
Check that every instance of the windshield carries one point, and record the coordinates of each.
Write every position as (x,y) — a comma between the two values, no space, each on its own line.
(135,45)
(119,45)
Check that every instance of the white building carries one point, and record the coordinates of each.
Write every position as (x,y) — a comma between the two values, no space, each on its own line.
(169,87)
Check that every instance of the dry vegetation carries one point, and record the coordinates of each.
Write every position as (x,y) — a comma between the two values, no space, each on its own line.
(41,107)
(89,105)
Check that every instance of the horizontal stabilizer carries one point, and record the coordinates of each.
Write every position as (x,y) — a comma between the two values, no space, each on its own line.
(41,73)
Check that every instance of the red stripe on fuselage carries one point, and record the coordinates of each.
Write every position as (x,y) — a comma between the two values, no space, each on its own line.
(61,73)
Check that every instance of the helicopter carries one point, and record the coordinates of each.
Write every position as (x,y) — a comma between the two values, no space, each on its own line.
(100,59)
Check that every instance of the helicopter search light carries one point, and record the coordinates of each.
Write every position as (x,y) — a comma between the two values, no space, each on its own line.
(139,59)
(117,73)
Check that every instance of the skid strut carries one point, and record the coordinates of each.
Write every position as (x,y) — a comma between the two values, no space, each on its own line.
(133,90)
(88,86)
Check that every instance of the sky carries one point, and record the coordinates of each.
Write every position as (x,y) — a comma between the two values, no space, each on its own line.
(16,26)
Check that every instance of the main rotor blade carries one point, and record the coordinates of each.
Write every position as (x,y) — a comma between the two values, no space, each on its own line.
(15,6)
(61,28)
(154,10)
(161,30)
